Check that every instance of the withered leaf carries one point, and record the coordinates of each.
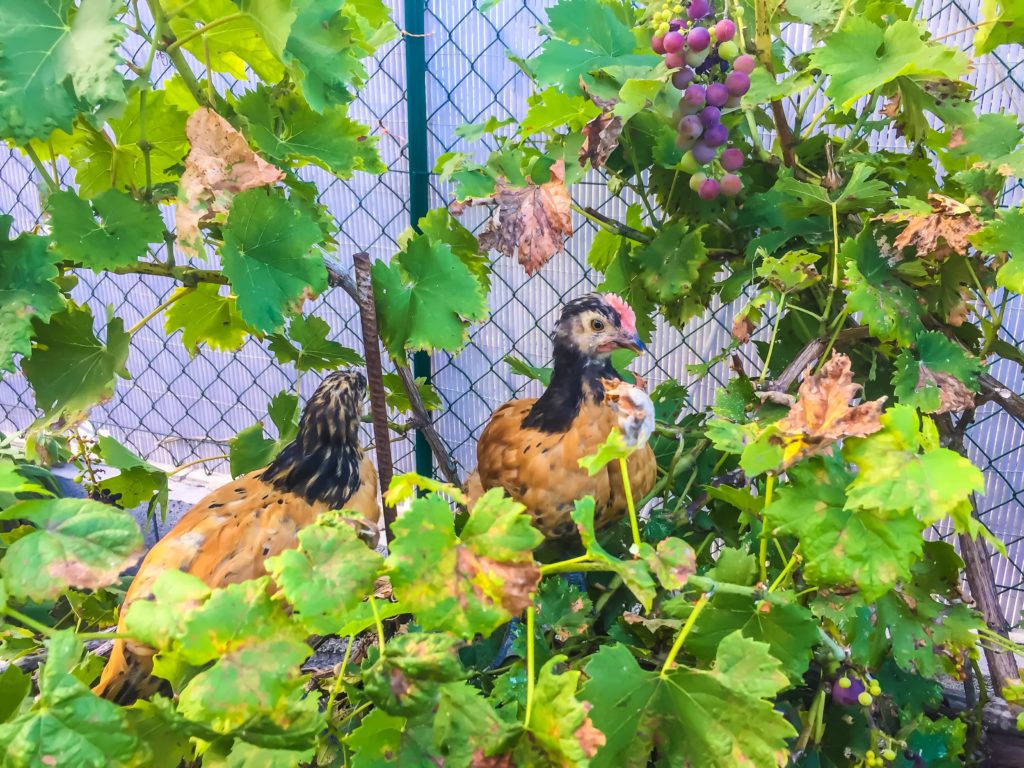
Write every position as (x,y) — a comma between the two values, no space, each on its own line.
(953,395)
(822,414)
(742,327)
(589,737)
(600,138)
(518,581)
(219,165)
(940,233)
(531,222)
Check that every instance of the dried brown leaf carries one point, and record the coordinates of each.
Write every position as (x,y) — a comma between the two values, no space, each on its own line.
(531,222)
(823,415)
(600,138)
(956,138)
(938,234)
(219,165)
(742,327)
(953,395)
(518,580)
(590,738)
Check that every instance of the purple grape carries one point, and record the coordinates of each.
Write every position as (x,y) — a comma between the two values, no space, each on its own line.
(725,30)
(702,153)
(684,142)
(682,78)
(691,127)
(710,116)
(694,95)
(737,83)
(716,136)
(698,9)
(716,95)
(698,39)
(744,63)
(732,159)
(676,24)
(709,189)
(847,697)
(675,60)
(731,185)
(673,42)
(658,44)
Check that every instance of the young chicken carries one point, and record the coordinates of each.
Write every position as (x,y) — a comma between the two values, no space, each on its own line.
(226,537)
(531,447)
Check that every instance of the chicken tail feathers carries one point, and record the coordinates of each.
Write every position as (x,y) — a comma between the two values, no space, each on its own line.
(128,677)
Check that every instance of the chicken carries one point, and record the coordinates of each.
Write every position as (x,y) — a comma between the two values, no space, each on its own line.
(531,447)
(227,537)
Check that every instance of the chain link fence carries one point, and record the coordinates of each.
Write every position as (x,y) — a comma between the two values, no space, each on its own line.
(178,408)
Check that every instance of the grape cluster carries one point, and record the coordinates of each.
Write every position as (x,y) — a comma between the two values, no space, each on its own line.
(703,52)
(104,496)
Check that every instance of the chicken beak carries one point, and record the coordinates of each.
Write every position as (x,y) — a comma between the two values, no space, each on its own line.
(632,342)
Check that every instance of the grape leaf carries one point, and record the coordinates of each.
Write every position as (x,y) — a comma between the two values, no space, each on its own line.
(425,297)
(634,573)
(551,109)
(77,542)
(711,711)
(70,370)
(269,257)
(800,199)
(204,316)
(466,585)
(1005,234)
(840,546)
(560,726)
(328,575)
(120,236)
(55,63)
(887,304)
(440,226)
(138,482)
(575,50)
(68,724)
(613,448)
(523,368)
(1002,23)
(15,685)
(286,130)
(671,263)
(939,378)
(219,165)
(397,398)
(862,57)
(896,476)
(563,608)
(160,621)
(467,730)
(405,678)
(27,291)
(249,449)
(308,347)
(946,228)
(385,741)
(243,755)
(673,561)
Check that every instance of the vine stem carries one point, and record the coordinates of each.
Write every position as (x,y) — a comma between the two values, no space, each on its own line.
(29,622)
(794,560)
(633,523)
(860,123)
(341,675)
(198,31)
(841,318)
(163,27)
(769,488)
(530,666)
(194,462)
(677,646)
(562,564)
(771,341)
(158,309)
(53,185)
(377,622)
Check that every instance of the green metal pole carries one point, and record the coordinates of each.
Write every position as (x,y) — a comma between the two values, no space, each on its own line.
(419,169)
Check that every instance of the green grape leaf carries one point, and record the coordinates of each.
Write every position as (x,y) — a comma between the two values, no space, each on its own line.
(840,546)
(68,724)
(634,573)
(711,710)
(269,257)
(941,376)
(243,755)
(204,316)
(1002,23)
(576,50)
(397,398)
(308,347)
(466,727)
(670,264)
(77,542)
(15,685)
(328,575)
(563,608)
(385,741)
(560,725)
(793,271)
(938,743)
(523,368)
(673,561)
(800,199)
(250,450)
(138,482)
(27,291)
(160,621)
(12,481)
(71,370)
(406,485)
(440,226)
(613,448)
(764,87)
(551,109)
(466,585)
(124,229)
(425,297)
(887,304)
(1005,234)
(56,63)
(405,678)
(286,130)
(895,476)
(862,57)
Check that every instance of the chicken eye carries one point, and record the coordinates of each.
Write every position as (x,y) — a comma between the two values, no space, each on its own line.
(597,325)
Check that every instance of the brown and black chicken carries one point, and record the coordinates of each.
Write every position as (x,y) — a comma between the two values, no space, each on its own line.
(532,447)
(227,537)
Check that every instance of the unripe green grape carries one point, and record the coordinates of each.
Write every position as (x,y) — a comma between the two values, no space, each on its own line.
(844,682)
(689,163)
(696,180)
(865,699)
(728,50)
(889,754)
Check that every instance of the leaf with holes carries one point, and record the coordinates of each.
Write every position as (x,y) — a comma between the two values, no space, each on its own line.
(70,369)
(77,542)
(204,316)
(113,231)
(27,291)
(308,347)
(470,584)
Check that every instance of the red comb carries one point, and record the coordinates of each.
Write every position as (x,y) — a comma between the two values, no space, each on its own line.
(627,317)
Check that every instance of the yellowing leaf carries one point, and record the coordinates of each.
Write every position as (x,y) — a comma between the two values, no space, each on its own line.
(204,316)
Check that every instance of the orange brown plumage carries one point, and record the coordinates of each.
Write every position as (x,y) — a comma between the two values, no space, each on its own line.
(227,537)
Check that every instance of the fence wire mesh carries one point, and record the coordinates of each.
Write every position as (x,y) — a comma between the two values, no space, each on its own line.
(178,408)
